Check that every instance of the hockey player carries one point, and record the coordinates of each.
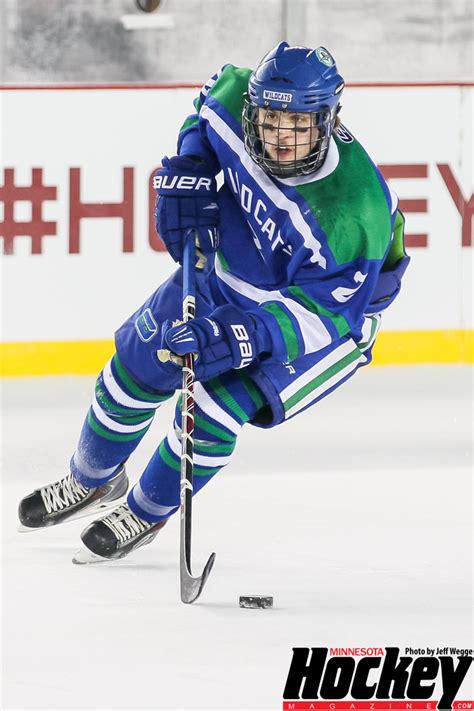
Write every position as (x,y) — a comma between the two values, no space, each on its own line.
(303,247)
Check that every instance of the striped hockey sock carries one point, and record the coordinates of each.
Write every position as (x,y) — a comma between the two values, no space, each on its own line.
(222,406)
(120,415)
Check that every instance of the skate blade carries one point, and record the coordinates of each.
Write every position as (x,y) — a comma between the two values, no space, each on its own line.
(86,557)
(80,514)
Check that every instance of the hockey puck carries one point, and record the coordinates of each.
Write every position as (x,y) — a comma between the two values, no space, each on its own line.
(148,5)
(255,602)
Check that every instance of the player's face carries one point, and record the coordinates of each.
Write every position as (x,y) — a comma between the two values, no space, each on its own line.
(287,136)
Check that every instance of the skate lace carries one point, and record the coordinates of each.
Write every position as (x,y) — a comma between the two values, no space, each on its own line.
(63,493)
(124,524)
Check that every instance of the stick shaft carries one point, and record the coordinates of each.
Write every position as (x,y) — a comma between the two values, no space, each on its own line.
(191,587)
(187,408)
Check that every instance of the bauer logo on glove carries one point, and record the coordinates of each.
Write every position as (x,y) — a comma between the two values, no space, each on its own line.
(185,182)
(245,346)
(227,338)
(186,199)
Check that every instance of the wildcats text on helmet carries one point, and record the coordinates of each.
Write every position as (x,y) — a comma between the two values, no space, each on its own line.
(277,96)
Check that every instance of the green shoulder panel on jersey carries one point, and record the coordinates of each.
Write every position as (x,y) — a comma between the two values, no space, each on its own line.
(230,88)
(351,207)
(192,120)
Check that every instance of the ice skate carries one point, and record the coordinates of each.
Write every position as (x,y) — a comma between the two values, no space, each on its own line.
(67,500)
(115,536)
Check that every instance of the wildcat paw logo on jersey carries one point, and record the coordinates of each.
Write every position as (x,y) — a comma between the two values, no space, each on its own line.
(146,326)
(277,96)
(324,56)
(324,676)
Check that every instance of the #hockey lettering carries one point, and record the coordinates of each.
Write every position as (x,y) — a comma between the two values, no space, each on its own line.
(257,210)
(399,677)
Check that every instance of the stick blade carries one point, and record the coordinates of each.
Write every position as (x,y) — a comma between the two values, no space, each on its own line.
(192,587)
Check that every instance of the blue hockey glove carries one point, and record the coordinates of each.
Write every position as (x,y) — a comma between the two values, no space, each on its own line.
(186,198)
(228,338)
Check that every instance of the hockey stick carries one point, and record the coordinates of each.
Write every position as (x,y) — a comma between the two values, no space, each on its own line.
(191,587)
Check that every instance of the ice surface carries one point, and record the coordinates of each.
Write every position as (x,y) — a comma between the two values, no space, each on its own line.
(356,517)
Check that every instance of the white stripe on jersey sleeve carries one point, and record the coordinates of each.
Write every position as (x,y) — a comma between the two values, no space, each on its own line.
(210,83)
(268,186)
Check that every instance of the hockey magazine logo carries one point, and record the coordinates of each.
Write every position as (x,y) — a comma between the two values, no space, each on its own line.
(382,678)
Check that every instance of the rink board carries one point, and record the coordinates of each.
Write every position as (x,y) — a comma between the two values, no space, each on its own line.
(85,357)
(95,257)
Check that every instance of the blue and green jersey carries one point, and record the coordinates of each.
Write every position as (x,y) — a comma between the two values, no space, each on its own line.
(306,253)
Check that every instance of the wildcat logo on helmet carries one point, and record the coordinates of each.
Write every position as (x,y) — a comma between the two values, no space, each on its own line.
(277,96)
(342,132)
(324,56)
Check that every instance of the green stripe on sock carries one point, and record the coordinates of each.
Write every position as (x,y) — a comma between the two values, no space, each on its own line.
(211,448)
(110,406)
(113,436)
(340,323)
(133,387)
(208,426)
(286,328)
(252,390)
(176,463)
(228,399)
(213,429)
(200,471)
(168,459)
(125,420)
(320,379)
